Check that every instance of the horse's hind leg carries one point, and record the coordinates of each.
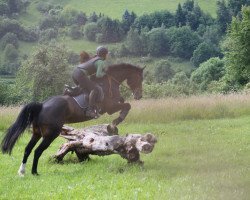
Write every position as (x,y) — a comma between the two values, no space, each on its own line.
(48,138)
(34,139)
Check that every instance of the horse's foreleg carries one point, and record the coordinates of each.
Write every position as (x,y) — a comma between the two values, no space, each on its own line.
(124,107)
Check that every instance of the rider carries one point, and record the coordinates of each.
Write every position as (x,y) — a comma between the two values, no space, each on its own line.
(95,66)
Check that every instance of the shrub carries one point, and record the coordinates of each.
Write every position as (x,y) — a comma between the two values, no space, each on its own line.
(90,31)
(9,38)
(163,71)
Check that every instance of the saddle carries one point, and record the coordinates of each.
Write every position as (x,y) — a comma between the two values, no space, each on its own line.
(81,96)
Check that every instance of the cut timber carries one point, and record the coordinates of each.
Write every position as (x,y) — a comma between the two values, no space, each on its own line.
(97,141)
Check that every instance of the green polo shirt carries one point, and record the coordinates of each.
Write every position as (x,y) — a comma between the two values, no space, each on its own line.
(100,65)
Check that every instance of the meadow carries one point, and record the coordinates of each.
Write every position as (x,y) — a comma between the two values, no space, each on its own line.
(115,9)
(202,153)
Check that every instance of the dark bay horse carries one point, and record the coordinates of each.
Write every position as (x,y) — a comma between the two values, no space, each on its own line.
(47,118)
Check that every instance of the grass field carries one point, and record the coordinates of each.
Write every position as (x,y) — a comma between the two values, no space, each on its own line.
(113,9)
(200,158)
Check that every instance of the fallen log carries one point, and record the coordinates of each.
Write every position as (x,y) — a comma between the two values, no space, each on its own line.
(96,140)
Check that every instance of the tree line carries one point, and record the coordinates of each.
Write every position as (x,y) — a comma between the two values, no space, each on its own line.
(217,47)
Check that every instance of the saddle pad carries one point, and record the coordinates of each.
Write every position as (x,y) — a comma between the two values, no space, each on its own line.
(82,100)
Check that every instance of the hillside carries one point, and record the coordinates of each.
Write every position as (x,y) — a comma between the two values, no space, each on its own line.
(115,9)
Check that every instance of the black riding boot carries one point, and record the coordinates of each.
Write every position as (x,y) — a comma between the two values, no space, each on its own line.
(92,112)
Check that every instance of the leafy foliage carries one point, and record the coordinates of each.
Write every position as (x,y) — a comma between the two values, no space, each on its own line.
(183,41)
(90,31)
(158,42)
(163,71)
(203,52)
(45,73)
(9,38)
(211,70)
(237,50)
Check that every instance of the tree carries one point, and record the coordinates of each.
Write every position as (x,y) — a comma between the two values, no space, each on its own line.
(223,15)
(211,70)
(237,49)
(188,5)
(75,32)
(134,42)
(44,73)
(4,8)
(93,17)
(127,20)
(110,29)
(9,38)
(180,18)
(90,31)
(183,41)
(10,26)
(11,63)
(163,71)
(81,19)
(48,22)
(236,5)
(157,42)
(203,52)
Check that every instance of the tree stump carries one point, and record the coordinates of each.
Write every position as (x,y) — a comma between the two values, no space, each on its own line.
(96,140)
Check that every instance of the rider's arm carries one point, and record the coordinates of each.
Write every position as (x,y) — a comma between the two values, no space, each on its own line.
(100,65)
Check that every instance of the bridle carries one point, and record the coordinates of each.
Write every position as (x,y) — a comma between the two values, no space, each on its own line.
(110,78)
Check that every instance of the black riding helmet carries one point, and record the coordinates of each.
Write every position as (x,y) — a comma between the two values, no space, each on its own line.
(101,51)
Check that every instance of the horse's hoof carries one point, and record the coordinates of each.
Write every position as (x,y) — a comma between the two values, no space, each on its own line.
(112,130)
(21,174)
(35,174)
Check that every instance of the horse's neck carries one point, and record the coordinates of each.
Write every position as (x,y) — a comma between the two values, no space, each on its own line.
(119,77)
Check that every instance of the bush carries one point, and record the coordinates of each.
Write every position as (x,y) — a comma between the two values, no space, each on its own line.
(183,41)
(9,38)
(3,93)
(75,32)
(30,35)
(203,52)
(48,22)
(211,70)
(48,35)
(163,71)
(44,7)
(90,31)
(44,73)
(158,42)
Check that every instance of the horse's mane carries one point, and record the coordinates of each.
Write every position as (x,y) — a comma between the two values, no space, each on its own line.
(122,66)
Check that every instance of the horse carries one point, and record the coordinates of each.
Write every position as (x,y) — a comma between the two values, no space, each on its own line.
(47,118)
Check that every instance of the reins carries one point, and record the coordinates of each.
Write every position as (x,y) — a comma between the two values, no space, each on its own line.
(110,78)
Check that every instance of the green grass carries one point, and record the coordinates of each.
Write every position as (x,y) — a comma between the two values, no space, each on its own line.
(193,159)
(115,9)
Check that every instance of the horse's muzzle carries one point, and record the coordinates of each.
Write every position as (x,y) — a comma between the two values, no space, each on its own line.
(137,94)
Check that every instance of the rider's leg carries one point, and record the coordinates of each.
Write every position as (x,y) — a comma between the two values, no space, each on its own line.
(93,99)
(86,83)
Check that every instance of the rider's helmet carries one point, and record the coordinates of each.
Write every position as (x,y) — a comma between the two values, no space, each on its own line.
(101,51)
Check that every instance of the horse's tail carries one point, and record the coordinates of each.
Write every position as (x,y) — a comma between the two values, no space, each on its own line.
(27,115)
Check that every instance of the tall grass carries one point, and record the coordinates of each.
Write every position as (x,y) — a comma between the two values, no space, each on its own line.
(188,108)
(175,109)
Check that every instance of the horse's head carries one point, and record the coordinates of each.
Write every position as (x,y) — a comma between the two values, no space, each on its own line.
(134,82)
(133,75)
